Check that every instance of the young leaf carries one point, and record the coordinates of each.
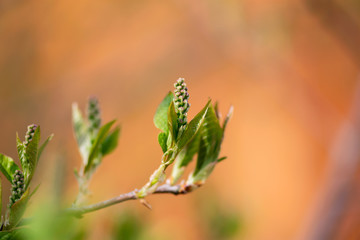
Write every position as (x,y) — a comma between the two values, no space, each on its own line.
(184,158)
(17,210)
(95,149)
(211,137)
(193,126)
(8,167)
(31,152)
(201,157)
(227,118)
(172,121)
(162,138)
(7,235)
(110,142)
(34,191)
(42,147)
(201,176)
(161,117)
(80,132)
(221,159)
(190,150)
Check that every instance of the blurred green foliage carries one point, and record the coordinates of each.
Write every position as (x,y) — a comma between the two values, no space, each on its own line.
(219,220)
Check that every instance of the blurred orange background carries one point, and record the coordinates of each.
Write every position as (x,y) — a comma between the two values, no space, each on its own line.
(289,78)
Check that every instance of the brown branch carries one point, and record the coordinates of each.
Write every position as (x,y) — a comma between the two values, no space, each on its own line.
(165,188)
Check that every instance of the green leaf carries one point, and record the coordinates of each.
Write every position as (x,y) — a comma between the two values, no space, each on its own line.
(184,158)
(161,114)
(162,138)
(95,148)
(190,150)
(110,142)
(193,127)
(31,156)
(201,157)
(8,167)
(17,210)
(211,138)
(227,118)
(42,147)
(81,134)
(35,190)
(221,159)
(172,121)
(200,177)
(7,235)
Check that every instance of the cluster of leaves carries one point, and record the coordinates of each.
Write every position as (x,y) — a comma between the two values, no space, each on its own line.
(206,144)
(181,141)
(94,141)
(29,153)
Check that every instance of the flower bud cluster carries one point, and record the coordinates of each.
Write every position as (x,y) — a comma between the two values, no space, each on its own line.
(30,134)
(181,101)
(18,187)
(94,114)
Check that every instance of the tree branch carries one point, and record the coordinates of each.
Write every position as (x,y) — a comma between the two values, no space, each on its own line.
(165,188)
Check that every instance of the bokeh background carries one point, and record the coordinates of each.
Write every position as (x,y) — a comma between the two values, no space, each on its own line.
(289,68)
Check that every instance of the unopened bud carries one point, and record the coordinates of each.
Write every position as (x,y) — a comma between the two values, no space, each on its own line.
(17,188)
(180,101)
(29,134)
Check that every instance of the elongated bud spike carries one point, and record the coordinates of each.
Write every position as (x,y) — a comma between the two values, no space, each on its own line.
(93,113)
(17,187)
(29,134)
(181,101)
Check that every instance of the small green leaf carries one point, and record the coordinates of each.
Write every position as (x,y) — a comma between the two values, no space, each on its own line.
(193,126)
(184,158)
(95,149)
(201,176)
(7,235)
(190,150)
(172,121)
(81,134)
(31,156)
(221,159)
(201,157)
(42,147)
(162,138)
(211,138)
(17,210)
(8,167)
(161,114)
(110,142)
(34,191)
(227,118)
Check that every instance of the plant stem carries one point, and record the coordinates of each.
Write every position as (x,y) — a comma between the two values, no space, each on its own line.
(165,188)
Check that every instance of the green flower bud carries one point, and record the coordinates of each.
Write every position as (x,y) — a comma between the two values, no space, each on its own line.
(181,101)
(93,113)
(17,188)
(30,134)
